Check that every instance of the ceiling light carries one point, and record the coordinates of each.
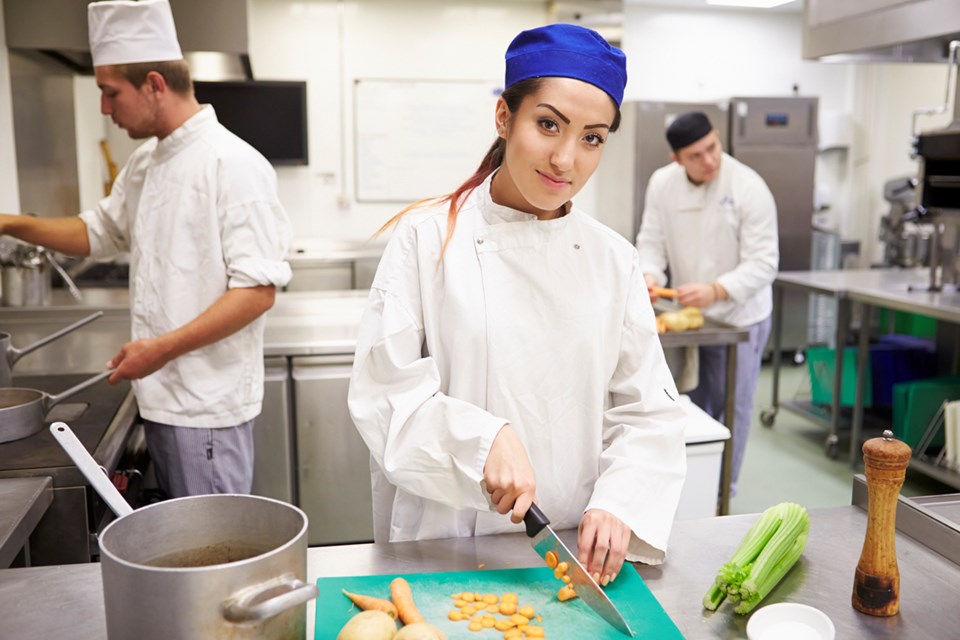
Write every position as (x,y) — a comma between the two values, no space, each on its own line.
(755,4)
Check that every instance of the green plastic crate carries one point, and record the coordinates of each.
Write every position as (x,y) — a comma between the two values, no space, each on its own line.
(915,404)
(911,324)
(822,375)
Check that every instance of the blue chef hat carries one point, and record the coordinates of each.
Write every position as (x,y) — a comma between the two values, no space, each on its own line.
(567,51)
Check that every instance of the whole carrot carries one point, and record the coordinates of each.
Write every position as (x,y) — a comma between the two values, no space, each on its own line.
(369,603)
(664,293)
(402,596)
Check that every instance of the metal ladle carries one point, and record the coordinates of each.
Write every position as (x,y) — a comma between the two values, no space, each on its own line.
(10,354)
(71,285)
(90,469)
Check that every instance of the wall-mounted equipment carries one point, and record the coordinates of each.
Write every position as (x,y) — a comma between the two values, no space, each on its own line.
(270,115)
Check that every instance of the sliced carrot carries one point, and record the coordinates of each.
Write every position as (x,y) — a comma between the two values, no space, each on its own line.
(402,596)
(566,593)
(551,559)
(369,603)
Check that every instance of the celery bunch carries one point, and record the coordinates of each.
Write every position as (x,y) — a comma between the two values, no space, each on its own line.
(771,547)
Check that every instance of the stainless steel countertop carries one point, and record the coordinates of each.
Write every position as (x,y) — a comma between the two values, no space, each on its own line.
(711,333)
(23,501)
(299,324)
(841,282)
(314,323)
(823,579)
(337,254)
(897,289)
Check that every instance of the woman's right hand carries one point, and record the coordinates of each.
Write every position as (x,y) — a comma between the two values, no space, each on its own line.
(509,475)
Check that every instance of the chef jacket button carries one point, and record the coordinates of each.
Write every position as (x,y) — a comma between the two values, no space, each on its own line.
(479,240)
(576,246)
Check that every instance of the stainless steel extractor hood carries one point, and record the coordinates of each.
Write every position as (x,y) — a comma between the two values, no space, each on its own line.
(880,30)
(212,33)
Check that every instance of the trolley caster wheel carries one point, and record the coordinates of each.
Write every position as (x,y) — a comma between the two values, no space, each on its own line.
(832,447)
(767,416)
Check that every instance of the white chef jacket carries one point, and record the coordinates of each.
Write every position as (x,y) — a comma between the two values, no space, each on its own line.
(724,230)
(545,325)
(199,214)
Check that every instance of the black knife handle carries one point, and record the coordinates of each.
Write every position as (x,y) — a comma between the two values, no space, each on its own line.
(534,520)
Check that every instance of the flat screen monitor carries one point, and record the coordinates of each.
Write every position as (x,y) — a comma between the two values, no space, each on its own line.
(270,115)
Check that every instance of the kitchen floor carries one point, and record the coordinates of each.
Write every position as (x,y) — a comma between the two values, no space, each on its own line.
(786,462)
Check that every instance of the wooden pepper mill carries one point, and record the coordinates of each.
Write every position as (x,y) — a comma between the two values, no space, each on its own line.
(876,585)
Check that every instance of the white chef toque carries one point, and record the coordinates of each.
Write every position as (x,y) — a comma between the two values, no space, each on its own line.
(131,31)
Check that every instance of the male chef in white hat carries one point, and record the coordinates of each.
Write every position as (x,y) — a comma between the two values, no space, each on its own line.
(197,210)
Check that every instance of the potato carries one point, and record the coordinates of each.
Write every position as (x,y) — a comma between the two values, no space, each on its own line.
(369,625)
(675,321)
(420,631)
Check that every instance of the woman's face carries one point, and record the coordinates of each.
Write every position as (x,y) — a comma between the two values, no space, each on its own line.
(553,145)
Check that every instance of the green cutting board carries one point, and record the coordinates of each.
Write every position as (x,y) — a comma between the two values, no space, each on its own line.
(571,620)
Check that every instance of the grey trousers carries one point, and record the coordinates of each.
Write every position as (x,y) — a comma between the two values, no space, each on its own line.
(189,461)
(710,390)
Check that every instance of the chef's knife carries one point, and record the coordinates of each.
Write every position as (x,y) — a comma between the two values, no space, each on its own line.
(543,539)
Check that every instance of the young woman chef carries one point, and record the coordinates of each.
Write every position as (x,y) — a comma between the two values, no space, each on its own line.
(508,353)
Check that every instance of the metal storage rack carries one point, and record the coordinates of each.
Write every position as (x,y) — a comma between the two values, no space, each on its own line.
(895,289)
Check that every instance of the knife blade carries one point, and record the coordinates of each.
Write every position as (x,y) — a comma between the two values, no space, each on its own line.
(544,539)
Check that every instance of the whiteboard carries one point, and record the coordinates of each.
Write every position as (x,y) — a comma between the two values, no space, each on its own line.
(415,139)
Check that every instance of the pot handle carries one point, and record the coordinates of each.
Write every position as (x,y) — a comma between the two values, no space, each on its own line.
(268,599)
(15,354)
(49,401)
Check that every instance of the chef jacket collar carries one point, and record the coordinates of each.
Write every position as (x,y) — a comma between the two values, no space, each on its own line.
(494,213)
(184,134)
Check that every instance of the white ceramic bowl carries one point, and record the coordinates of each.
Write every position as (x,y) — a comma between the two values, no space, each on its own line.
(789,621)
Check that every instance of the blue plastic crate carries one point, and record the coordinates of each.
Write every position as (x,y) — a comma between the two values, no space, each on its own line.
(898,358)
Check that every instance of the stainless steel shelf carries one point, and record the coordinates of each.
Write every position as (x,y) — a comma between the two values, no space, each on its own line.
(935,471)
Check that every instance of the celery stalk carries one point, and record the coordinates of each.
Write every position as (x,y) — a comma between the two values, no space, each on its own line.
(773,578)
(765,554)
(795,523)
(736,570)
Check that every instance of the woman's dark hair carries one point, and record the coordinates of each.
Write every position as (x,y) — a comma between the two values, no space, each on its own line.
(513,96)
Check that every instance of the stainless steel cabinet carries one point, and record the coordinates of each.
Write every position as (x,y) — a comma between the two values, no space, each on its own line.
(320,275)
(333,470)
(274,462)
(777,138)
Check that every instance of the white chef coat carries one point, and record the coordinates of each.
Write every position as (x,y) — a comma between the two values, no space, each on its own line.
(724,230)
(545,325)
(199,214)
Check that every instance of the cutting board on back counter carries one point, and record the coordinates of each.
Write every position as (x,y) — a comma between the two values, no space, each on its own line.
(570,620)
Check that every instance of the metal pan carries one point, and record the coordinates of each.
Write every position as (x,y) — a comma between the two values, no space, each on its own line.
(22,411)
(9,354)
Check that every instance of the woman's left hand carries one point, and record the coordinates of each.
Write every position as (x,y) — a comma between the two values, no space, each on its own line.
(603,541)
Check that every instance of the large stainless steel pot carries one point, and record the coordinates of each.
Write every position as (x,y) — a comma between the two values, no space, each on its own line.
(214,566)
(27,284)
(22,411)
(26,278)
(9,354)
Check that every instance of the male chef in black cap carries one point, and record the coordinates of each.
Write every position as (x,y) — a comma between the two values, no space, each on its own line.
(712,221)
